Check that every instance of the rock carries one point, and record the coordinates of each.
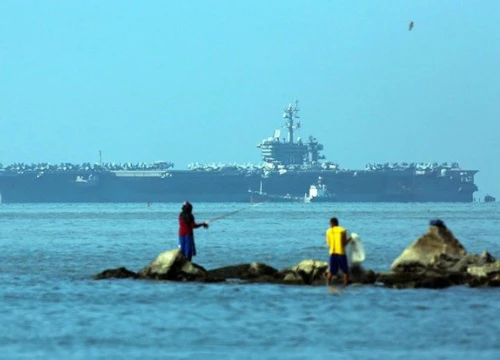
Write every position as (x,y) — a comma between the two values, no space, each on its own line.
(486,271)
(477,281)
(369,277)
(311,271)
(472,260)
(192,272)
(172,265)
(243,271)
(230,272)
(457,277)
(444,262)
(487,258)
(494,281)
(259,269)
(434,281)
(430,279)
(438,248)
(466,261)
(397,279)
(163,264)
(484,274)
(361,276)
(120,273)
(291,277)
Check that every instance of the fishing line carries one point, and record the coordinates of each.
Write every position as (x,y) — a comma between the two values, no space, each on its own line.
(233,212)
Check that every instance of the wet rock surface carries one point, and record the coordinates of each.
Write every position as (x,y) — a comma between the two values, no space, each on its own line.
(435,260)
(437,248)
(172,265)
(119,273)
(438,259)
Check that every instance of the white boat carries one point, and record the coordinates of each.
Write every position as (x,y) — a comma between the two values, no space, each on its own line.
(319,193)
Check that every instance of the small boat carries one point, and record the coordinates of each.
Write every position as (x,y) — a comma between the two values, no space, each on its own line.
(319,193)
(489,198)
(260,196)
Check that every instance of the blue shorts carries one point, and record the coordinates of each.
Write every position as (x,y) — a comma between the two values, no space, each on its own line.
(337,261)
(187,246)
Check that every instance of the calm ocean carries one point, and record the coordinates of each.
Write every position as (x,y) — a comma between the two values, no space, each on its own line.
(52,309)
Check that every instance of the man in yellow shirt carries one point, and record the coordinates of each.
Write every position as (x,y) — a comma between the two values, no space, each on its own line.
(336,241)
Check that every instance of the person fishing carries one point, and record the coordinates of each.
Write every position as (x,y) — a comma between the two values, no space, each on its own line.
(336,241)
(187,224)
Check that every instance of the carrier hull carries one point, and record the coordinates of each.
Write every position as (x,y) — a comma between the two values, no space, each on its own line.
(217,187)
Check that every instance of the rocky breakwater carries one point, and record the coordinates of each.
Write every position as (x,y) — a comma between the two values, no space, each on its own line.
(435,260)
(173,266)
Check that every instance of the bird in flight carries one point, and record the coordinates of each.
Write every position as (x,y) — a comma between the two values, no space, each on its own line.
(410,26)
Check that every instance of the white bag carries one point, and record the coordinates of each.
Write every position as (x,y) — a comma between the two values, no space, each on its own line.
(355,250)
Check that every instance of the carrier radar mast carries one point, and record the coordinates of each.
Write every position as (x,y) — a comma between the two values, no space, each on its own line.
(290,114)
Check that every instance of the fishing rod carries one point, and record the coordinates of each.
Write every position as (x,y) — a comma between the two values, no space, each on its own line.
(233,212)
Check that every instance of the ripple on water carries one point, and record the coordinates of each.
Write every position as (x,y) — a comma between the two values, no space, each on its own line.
(48,255)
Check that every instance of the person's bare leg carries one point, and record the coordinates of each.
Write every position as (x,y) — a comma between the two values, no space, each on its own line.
(346,279)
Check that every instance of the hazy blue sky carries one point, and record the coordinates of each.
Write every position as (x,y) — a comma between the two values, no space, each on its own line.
(205,81)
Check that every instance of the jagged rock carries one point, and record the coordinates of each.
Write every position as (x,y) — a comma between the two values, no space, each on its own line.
(444,262)
(466,261)
(472,260)
(487,258)
(486,271)
(172,265)
(120,273)
(438,248)
(311,271)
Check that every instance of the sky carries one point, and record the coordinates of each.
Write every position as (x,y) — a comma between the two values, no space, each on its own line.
(206,81)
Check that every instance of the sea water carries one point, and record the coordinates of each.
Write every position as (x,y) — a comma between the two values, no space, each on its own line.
(51,308)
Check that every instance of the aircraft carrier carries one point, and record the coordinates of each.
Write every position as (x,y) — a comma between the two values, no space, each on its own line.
(289,167)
